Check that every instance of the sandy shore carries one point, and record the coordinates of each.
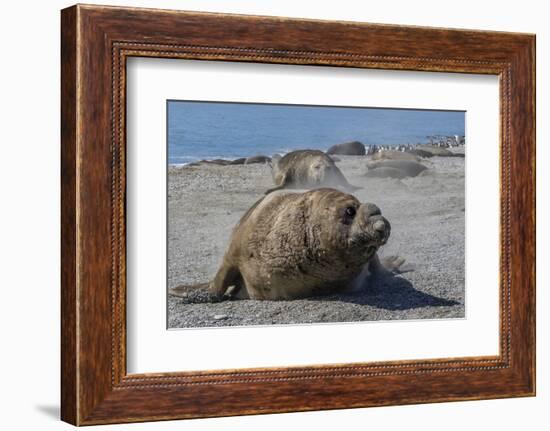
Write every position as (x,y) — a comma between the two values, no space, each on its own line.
(427,217)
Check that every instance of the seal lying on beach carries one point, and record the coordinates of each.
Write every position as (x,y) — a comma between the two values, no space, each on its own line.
(421,153)
(257,159)
(436,151)
(354,148)
(407,168)
(299,244)
(306,169)
(386,172)
(394,155)
(439,151)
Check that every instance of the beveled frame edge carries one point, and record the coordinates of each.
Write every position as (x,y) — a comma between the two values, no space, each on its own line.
(96,41)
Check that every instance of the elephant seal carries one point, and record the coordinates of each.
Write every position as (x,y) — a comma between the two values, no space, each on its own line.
(409,168)
(239,161)
(306,169)
(394,155)
(293,244)
(217,162)
(354,148)
(257,159)
(421,153)
(436,151)
(386,172)
(439,151)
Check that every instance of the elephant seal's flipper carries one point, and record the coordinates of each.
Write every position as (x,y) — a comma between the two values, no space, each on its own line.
(193,293)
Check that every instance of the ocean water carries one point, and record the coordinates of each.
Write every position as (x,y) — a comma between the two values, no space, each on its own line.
(208,130)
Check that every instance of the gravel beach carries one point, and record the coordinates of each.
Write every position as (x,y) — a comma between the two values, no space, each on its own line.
(428,230)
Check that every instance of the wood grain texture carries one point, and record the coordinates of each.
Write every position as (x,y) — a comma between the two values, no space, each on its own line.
(96,41)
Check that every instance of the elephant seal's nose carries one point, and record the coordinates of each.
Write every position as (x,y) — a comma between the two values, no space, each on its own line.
(379,225)
(372,210)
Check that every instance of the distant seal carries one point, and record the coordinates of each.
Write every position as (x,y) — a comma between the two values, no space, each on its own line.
(298,244)
(386,172)
(394,155)
(306,169)
(436,151)
(239,161)
(218,162)
(421,153)
(439,151)
(257,159)
(409,168)
(354,148)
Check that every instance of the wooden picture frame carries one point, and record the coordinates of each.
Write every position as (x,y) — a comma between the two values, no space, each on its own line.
(95,43)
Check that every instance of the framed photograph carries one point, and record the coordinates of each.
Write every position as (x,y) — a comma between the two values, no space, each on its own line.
(322,214)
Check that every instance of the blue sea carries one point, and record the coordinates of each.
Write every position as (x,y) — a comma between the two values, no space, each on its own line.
(208,130)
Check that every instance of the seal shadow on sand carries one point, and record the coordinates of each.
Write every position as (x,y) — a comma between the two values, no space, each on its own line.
(390,292)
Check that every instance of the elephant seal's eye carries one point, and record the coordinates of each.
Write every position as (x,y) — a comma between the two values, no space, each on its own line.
(350,212)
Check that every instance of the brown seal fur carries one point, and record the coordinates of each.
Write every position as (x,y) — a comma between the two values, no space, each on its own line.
(307,169)
(299,244)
